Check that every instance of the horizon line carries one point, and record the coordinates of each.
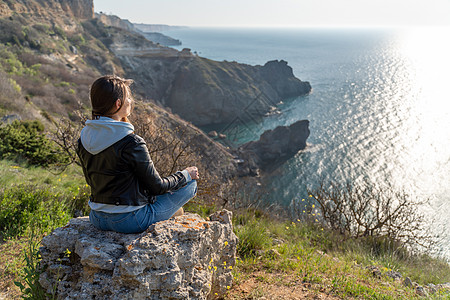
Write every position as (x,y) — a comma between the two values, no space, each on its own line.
(327,26)
(393,25)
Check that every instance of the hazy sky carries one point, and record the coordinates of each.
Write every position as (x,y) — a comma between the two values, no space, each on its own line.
(280,12)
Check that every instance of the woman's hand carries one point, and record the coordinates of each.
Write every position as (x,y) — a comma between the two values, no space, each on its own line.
(193,172)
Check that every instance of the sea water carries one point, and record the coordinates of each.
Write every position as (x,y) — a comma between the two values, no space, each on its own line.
(379,109)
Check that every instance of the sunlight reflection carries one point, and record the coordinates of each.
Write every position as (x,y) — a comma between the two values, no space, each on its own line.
(426,127)
(427,50)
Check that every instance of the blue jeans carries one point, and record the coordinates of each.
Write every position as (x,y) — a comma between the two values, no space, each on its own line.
(139,220)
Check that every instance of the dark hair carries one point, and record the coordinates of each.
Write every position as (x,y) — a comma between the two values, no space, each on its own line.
(104,93)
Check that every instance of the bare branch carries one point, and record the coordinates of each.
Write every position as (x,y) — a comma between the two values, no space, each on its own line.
(367,210)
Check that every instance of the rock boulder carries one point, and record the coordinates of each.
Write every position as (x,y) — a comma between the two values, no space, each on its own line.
(185,257)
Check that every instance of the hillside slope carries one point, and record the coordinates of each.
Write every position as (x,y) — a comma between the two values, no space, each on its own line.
(51,51)
(48,59)
(62,42)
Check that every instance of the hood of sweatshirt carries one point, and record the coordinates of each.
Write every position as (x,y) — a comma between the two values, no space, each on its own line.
(99,134)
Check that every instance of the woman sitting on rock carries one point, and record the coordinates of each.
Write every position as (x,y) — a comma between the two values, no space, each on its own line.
(127,193)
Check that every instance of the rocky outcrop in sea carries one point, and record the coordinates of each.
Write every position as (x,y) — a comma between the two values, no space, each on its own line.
(184,257)
(273,148)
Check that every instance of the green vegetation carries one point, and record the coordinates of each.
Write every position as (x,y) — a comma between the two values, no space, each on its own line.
(15,86)
(277,253)
(23,208)
(32,269)
(26,141)
(285,254)
(252,235)
(37,59)
(14,66)
(77,39)
(30,211)
(44,203)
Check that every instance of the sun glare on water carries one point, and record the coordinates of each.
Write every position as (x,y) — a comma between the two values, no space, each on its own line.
(424,140)
(426,53)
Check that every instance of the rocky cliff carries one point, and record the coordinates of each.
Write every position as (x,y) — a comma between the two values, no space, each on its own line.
(185,257)
(281,78)
(111,20)
(203,91)
(230,90)
(200,90)
(155,37)
(80,9)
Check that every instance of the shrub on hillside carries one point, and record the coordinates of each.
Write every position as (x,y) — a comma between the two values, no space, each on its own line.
(67,134)
(26,140)
(12,64)
(24,208)
(7,88)
(369,211)
(11,31)
(15,30)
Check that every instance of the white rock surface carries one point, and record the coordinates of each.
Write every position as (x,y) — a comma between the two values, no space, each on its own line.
(182,258)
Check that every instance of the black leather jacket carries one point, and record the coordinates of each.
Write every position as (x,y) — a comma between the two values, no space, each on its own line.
(124,174)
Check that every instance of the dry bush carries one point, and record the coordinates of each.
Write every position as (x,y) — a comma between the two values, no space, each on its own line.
(66,137)
(5,86)
(49,104)
(173,148)
(84,79)
(169,153)
(367,210)
(54,97)
(32,87)
(57,71)
(30,58)
(7,91)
